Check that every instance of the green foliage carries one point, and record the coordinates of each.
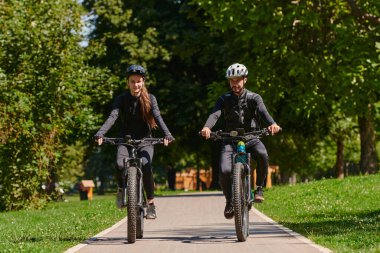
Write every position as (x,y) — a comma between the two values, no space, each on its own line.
(299,55)
(179,58)
(47,92)
(100,165)
(126,40)
(70,167)
(314,63)
(324,157)
(342,215)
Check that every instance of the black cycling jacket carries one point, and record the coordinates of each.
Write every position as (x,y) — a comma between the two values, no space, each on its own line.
(128,109)
(244,111)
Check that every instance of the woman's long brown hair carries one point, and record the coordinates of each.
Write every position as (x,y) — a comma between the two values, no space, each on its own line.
(146,108)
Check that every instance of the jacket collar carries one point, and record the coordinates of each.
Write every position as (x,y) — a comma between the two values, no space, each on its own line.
(243,94)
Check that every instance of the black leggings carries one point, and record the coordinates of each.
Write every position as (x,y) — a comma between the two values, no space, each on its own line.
(146,153)
(258,152)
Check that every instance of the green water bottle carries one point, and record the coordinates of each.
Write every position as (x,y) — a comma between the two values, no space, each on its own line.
(241,147)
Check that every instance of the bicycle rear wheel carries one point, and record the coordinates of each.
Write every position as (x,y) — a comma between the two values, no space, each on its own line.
(140,224)
(241,215)
(132,203)
(140,212)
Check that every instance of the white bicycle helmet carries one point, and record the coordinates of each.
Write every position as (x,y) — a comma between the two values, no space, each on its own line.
(236,70)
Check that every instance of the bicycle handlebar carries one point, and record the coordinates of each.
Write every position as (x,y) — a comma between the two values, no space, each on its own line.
(132,142)
(236,136)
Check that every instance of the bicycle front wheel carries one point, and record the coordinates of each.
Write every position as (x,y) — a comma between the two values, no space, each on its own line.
(239,202)
(132,203)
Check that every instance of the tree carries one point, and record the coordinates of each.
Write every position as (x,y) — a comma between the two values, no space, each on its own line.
(315,56)
(46,95)
(180,57)
(357,57)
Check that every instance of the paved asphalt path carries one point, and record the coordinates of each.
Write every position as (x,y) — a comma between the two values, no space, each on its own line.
(195,223)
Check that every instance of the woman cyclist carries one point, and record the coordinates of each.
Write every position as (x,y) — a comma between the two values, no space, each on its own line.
(138,114)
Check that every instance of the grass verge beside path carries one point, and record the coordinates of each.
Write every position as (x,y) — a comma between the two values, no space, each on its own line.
(342,215)
(61,225)
(58,227)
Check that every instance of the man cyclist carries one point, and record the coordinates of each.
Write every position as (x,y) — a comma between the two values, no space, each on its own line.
(138,114)
(242,109)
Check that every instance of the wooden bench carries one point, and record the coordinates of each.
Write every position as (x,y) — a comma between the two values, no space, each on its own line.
(187,180)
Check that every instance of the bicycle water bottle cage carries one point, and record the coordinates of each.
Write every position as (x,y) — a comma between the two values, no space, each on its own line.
(241,158)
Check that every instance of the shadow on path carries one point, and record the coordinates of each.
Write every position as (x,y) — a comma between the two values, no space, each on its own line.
(208,233)
(192,195)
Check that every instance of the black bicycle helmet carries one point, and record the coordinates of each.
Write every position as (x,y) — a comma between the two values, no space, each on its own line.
(136,70)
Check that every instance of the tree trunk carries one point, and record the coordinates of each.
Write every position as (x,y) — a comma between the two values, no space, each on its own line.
(368,154)
(340,158)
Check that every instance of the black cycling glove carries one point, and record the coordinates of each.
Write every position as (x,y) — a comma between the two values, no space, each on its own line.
(98,136)
(170,138)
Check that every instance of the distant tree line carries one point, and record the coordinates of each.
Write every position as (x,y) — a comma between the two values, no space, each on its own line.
(315,63)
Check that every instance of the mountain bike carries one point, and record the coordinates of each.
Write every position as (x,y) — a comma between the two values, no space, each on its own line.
(134,197)
(242,196)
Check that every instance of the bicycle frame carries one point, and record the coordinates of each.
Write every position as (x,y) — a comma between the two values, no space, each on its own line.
(242,196)
(132,176)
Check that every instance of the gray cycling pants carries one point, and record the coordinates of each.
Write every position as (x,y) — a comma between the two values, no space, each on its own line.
(146,153)
(258,153)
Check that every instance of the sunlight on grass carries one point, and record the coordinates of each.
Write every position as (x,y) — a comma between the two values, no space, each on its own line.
(58,227)
(61,225)
(343,215)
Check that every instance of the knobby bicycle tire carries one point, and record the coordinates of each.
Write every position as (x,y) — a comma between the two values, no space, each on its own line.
(240,205)
(132,203)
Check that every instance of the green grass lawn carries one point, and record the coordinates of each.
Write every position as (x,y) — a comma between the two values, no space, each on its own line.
(59,226)
(342,215)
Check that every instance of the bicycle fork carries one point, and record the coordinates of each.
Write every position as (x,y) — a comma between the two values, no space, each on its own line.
(249,197)
(133,161)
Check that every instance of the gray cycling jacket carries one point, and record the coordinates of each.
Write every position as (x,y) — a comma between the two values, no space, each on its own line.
(128,109)
(244,111)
